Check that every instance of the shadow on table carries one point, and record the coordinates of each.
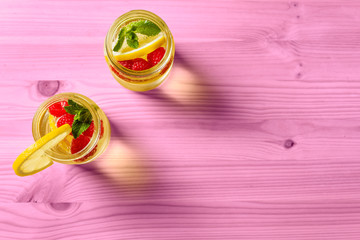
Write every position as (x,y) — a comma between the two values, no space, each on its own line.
(186,90)
(127,169)
(129,176)
(131,172)
(123,164)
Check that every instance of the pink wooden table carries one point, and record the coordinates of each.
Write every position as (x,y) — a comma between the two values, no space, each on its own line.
(255,135)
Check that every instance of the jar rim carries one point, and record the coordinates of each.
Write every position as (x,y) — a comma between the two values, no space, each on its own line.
(80,99)
(128,17)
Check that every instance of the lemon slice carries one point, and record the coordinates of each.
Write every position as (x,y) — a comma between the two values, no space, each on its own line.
(127,53)
(34,159)
(52,122)
(64,144)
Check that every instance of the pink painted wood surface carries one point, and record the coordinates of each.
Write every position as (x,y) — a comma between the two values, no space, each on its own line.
(254,136)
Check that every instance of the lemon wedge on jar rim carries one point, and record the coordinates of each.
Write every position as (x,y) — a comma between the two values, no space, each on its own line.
(147,45)
(34,159)
(64,144)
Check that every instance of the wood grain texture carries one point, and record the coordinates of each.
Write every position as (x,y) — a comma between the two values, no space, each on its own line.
(255,134)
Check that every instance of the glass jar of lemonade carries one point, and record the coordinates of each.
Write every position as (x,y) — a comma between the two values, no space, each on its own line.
(95,139)
(67,128)
(139,50)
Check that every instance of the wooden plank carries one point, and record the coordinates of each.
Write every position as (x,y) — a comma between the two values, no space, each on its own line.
(254,220)
(207,164)
(254,135)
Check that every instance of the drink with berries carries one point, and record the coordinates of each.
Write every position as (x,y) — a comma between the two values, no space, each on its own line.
(68,128)
(139,50)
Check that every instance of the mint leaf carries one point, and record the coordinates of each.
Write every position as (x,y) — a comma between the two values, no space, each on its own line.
(73,107)
(120,41)
(79,127)
(74,104)
(131,27)
(132,40)
(82,118)
(70,110)
(119,44)
(83,115)
(144,27)
(147,28)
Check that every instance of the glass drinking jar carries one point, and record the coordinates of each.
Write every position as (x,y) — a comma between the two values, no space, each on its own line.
(98,142)
(139,80)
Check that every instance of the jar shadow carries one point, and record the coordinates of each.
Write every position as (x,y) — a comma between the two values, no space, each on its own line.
(123,164)
(124,175)
(186,89)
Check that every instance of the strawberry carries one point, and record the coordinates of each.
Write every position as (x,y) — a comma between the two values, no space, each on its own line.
(156,56)
(113,69)
(57,109)
(140,64)
(102,129)
(127,63)
(90,131)
(66,118)
(79,143)
(92,152)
